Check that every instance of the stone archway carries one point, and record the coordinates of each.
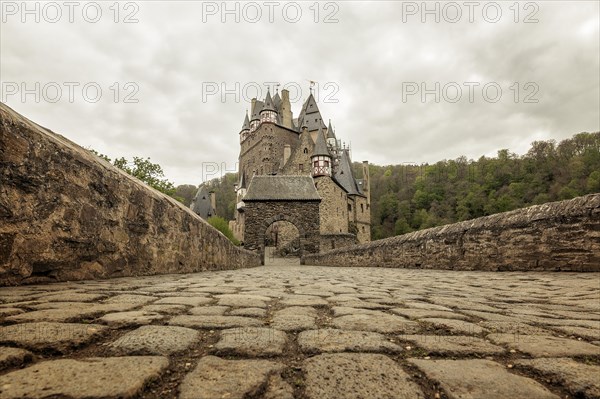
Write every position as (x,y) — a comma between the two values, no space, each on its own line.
(274,198)
(283,243)
(304,215)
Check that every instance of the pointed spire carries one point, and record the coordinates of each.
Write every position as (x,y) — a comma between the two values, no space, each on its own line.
(246,125)
(256,108)
(268,103)
(330,133)
(320,145)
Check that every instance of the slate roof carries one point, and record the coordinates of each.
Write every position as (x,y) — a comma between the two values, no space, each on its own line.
(201,203)
(277,102)
(258,106)
(282,188)
(268,104)
(310,115)
(344,177)
(320,145)
(246,125)
(330,133)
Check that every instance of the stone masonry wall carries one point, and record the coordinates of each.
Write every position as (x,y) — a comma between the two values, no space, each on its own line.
(302,214)
(558,236)
(65,214)
(332,241)
(333,209)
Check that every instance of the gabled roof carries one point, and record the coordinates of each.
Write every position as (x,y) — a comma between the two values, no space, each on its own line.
(344,177)
(246,125)
(282,188)
(320,145)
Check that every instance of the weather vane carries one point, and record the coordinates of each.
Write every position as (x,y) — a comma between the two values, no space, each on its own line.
(312,84)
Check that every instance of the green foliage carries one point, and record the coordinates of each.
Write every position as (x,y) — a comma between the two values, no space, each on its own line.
(186,192)
(405,198)
(145,170)
(223,226)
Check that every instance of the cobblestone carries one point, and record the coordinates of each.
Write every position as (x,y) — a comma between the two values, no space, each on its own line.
(289,331)
(475,379)
(121,377)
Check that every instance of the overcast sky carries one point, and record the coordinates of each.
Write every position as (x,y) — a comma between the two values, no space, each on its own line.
(388,75)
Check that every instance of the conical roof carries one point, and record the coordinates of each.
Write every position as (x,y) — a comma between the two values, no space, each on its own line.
(320,145)
(330,133)
(268,105)
(246,125)
(258,106)
(277,102)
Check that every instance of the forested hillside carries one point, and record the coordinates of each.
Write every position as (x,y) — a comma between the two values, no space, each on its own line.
(405,198)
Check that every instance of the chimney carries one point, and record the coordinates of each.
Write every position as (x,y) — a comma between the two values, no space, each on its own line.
(287,151)
(253,101)
(286,109)
(213,204)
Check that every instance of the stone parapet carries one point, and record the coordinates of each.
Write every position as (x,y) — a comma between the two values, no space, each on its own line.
(66,214)
(557,236)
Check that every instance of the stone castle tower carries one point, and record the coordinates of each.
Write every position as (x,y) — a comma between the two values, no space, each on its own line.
(274,143)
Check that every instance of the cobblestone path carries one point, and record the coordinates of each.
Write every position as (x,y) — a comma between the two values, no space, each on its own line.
(287,331)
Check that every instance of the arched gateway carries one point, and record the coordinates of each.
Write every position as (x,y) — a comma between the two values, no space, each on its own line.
(275,198)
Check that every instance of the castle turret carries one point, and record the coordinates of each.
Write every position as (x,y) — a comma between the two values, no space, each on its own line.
(268,113)
(245,128)
(321,159)
(255,112)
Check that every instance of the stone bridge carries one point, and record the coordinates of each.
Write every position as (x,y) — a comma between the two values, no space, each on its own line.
(148,301)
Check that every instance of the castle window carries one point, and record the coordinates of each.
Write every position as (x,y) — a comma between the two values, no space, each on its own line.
(349,208)
(362,208)
(301,167)
(363,229)
(306,150)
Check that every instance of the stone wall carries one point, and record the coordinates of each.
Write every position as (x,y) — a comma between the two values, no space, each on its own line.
(333,209)
(333,241)
(558,236)
(65,214)
(302,214)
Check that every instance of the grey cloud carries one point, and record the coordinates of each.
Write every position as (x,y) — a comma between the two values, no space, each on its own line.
(369,54)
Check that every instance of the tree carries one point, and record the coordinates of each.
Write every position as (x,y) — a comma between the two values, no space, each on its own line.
(186,192)
(142,168)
